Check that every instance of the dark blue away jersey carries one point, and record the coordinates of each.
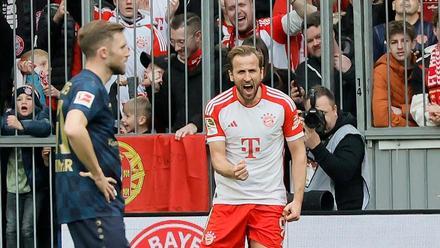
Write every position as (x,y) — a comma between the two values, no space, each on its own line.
(78,197)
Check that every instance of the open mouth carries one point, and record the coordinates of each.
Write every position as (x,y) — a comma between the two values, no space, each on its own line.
(241,19)
(24,108)
(248,88)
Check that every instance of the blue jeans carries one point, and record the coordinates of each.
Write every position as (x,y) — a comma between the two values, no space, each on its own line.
(26,223)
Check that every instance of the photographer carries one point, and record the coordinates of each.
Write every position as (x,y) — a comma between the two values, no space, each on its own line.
(336,151)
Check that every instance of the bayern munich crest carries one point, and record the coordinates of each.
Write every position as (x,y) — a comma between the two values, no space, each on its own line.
(133,176)
(209,237)
(268,119)
(141,42)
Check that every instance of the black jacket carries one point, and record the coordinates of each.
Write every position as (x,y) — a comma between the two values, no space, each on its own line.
(344,166)
(7,55)
(57,46)
(314,78)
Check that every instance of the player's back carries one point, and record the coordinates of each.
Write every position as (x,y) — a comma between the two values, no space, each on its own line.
(80,198)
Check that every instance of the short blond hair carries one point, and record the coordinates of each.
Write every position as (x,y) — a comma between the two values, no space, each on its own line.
(142,106)
(92,35)
(37,52)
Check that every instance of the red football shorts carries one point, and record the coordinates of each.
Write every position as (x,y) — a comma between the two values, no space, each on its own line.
(229,224)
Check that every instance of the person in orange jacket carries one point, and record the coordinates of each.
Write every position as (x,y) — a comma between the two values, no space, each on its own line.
(400,45)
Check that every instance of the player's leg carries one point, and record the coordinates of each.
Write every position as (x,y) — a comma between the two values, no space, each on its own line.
(99,232)
(226,226)
(266,227)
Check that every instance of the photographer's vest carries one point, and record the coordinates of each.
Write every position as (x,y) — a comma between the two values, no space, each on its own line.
(321,181)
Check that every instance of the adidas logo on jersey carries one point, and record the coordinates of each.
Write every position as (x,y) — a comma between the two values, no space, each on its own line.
(233,124)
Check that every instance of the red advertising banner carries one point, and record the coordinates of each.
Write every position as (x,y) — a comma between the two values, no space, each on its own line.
(161,174)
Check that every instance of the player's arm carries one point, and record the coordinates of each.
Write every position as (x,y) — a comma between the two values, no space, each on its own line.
(79,139)
(222,166)
(297,149)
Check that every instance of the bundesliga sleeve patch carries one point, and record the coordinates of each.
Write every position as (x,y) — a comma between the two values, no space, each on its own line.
(84,98)
(211,127)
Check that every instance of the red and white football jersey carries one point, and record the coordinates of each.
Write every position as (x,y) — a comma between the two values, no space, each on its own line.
(255,135)
(142,40)
(159,15)
(278,39)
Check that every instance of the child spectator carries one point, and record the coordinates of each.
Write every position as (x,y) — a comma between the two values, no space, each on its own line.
(400,46)
(36,71)
(137,116)
(19,165)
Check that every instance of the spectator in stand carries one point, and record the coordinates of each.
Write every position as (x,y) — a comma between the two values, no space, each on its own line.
(23,22)
(423,30)
(400,46)
(246,23)
(6,53)
(35,72)
(137,116)
(313,64)
(22,39)
(153,75)
(126,16)
(337,155)
(57,32)
(225,22)
(195,6)
(30,166)
(181,125)
(426,105)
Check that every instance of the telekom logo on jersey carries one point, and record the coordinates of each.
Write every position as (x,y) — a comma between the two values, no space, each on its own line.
(251,146)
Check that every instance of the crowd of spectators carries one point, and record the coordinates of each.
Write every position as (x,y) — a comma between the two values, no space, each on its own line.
(164,70)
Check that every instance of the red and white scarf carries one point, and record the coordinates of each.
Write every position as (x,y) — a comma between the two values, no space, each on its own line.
(194,60)
(433,80)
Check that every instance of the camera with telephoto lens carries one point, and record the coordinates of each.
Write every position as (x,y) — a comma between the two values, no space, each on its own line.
(314,118)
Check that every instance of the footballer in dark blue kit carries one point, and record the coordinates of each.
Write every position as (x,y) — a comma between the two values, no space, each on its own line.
(87,165)
(81,199)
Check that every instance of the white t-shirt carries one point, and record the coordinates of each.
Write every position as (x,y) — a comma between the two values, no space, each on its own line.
(255,135)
